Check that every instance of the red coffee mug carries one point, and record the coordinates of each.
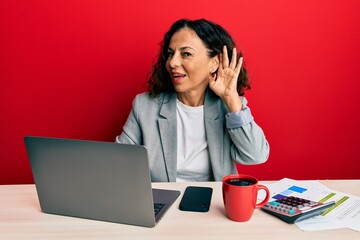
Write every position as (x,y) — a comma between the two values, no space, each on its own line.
(240,196)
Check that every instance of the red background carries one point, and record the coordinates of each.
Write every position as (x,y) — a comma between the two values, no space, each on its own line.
(70,68)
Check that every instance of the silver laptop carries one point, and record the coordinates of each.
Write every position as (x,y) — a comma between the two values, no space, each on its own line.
(96,180)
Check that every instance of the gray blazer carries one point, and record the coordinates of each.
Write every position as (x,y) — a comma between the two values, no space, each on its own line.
(152,122)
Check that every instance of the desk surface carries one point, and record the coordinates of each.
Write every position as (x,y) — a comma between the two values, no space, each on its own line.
(21,218)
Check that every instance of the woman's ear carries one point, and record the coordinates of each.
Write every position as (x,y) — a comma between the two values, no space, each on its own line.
(214,63)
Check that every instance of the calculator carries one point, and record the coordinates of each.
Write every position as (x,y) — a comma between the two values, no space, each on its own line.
(291,209)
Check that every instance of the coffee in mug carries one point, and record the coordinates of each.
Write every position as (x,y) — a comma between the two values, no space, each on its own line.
(240,181)
(240,193)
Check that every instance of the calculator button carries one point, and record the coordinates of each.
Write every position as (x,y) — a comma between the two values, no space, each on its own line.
(274,203)
(292,211)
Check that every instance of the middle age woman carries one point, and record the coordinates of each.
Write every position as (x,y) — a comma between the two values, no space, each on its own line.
(194,119)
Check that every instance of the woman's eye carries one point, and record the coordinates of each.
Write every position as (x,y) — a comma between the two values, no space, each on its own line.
(170,54)
(186,54)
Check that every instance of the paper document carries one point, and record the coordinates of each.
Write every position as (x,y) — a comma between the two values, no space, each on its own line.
(344,214)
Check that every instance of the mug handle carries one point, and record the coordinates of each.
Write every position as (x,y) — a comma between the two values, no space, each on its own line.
(262,187)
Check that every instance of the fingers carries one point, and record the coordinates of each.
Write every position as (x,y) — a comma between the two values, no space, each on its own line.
(238,66)
(233,59)
(221,66)
(224,59)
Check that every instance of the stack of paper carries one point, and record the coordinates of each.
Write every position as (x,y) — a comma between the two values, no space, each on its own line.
(344,214)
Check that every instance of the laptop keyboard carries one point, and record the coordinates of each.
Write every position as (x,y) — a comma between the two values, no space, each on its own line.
(158,207)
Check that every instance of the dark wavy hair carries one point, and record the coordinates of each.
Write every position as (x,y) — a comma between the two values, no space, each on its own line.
(214,38)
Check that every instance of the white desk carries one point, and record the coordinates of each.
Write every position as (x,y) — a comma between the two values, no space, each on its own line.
(21,218)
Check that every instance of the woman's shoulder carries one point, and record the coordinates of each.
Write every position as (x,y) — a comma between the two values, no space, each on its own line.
(146,97)
(146,100)
(142,96)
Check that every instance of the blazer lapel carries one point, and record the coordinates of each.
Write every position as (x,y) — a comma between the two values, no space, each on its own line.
(214,127)
(168,135)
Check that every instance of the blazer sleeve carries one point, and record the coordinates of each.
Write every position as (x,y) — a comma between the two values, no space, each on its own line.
(131,133)
(249,143)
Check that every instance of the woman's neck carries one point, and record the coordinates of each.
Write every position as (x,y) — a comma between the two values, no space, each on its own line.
(191,99)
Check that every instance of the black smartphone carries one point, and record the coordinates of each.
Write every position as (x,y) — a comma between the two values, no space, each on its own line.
(196,199)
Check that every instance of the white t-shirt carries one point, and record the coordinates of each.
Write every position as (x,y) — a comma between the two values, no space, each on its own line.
(193,163)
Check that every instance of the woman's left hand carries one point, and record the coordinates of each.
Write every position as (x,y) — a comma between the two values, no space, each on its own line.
(225,83)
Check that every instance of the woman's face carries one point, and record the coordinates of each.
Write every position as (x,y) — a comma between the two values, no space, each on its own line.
(188,62)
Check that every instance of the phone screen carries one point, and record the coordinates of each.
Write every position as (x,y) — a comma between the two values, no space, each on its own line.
(196,199)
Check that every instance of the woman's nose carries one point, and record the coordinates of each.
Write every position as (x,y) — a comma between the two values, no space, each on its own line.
(174,61)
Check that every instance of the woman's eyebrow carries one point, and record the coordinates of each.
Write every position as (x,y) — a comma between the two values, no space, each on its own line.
(182,48)
(186,47)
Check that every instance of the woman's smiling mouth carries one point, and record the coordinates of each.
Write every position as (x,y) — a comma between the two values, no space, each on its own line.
(177,77)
